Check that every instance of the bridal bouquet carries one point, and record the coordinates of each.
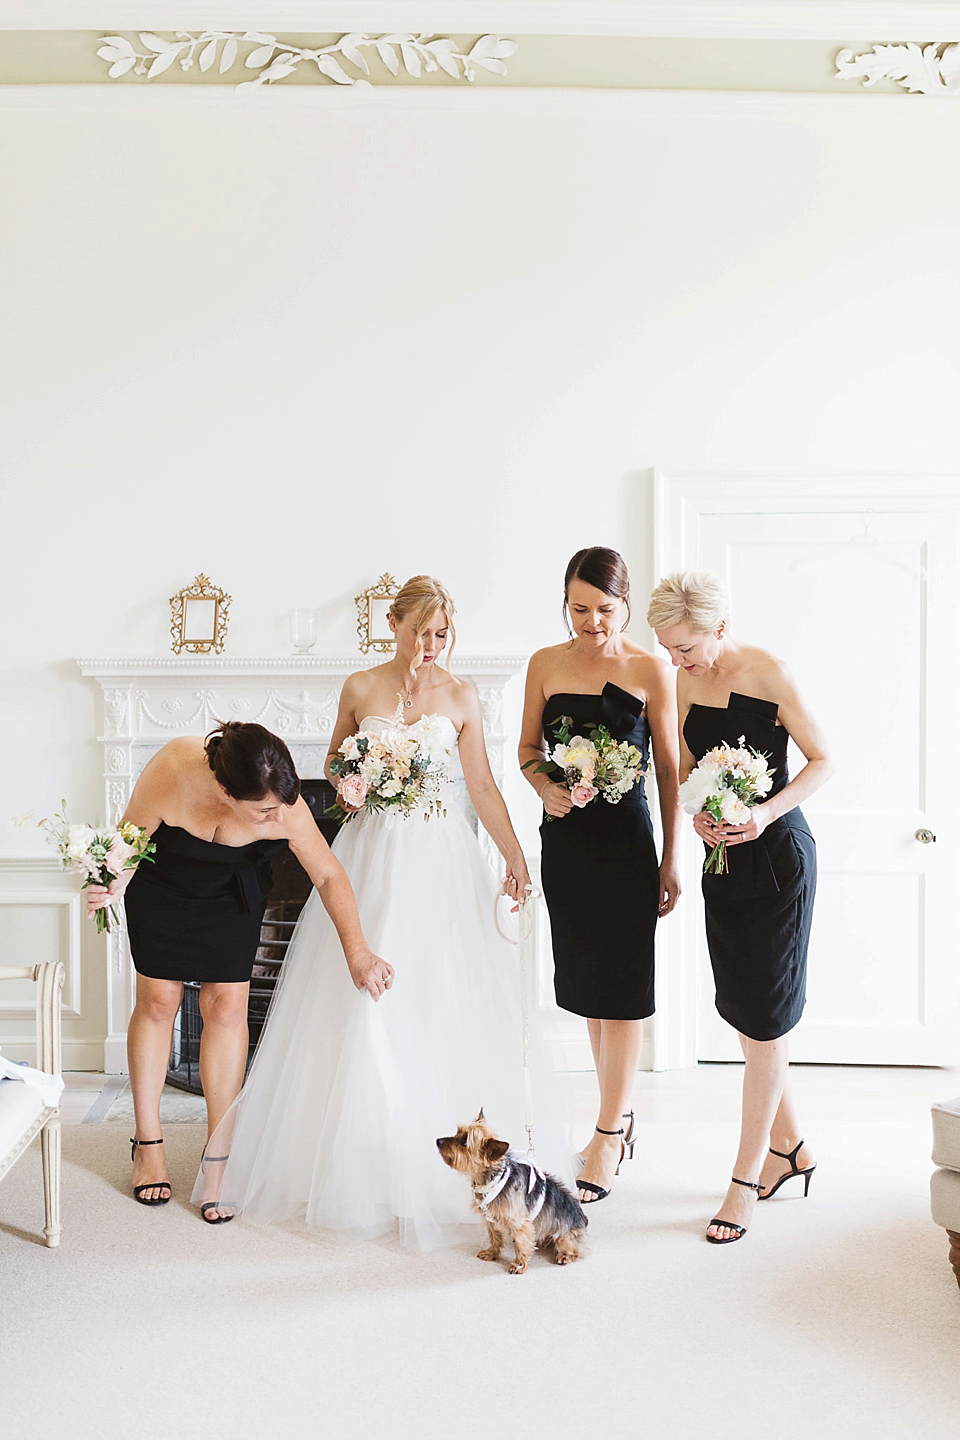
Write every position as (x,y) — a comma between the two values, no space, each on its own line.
(400,770)
(725,783)
(598,765)
(99,854)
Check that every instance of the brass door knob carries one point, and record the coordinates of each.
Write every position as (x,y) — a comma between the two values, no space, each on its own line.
(926,837)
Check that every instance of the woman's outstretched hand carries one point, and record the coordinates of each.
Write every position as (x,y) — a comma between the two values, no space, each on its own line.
(368,972)
(516,884)
(556,799)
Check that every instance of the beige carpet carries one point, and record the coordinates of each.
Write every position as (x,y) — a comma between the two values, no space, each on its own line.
(836,1316)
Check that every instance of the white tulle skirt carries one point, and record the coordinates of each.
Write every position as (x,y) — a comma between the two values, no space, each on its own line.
(341,1110)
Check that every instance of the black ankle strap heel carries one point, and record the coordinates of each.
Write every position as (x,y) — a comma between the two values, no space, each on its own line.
(741,1230)
(794,1170)
(154,1185)
(597,1192)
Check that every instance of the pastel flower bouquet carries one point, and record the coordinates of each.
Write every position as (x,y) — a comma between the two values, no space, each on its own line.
(99,853)
(401,770)
(726,783)
(591,765)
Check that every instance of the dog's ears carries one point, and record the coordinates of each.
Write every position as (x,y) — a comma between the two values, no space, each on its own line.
(495,1149)
(480,1117)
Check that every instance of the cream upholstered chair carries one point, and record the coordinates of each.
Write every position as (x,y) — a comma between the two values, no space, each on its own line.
(22,1111)
(945,1182)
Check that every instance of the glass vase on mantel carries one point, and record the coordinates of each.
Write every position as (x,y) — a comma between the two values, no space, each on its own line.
(303,630)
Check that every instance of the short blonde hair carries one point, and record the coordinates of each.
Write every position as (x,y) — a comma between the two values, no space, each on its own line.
(421,597)
(697,598)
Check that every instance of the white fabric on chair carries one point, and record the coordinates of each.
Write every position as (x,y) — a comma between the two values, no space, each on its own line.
(50,1087)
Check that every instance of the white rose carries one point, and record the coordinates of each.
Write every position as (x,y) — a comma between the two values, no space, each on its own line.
(79,839)
(733,810)
(698,788)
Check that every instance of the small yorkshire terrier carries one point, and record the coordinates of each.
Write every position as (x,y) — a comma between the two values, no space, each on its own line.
(517,1201)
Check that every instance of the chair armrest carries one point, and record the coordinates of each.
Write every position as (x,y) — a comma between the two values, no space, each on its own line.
(49,978)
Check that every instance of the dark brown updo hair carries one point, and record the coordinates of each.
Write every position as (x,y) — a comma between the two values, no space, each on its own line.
(604,570)
(251,763)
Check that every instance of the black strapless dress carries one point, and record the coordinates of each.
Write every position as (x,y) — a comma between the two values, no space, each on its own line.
(601,877)
(195,913)
(758,913)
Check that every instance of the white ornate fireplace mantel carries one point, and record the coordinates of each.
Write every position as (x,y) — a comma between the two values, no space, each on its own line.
(147,702)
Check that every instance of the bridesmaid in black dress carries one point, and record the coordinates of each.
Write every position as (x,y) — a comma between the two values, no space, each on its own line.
(601,880)
(758,914)
(217,810)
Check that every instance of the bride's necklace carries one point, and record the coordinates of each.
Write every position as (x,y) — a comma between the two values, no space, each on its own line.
(406,699)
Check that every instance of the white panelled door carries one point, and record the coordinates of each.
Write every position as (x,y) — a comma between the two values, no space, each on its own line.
(854,584)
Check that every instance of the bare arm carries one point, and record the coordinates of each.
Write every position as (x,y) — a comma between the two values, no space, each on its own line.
(346,722)
(554,798)
(367,970)
(487,800)
(159,776)
(662,719)
(688,760)
(804,730)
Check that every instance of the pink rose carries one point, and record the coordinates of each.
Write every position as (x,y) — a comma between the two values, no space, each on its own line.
(118,855)
(352,790)
(582,795)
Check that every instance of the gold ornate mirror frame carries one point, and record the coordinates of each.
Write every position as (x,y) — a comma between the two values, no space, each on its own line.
(199,618)
(372,608)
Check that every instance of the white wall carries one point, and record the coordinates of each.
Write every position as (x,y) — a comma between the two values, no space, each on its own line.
(296,343)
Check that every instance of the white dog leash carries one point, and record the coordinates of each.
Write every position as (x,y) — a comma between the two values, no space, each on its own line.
(525,927)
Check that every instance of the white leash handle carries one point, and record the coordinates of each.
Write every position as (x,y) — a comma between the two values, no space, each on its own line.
(525,928)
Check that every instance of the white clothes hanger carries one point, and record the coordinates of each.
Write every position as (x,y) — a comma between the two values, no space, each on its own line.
(865,542)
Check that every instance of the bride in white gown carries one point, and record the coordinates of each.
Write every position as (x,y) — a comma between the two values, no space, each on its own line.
(339,1115)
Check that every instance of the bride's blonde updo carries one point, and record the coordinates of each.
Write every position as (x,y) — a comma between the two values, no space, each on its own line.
(697,598)
(420,598)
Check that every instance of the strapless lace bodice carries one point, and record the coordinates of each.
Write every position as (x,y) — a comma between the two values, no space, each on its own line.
(438,729)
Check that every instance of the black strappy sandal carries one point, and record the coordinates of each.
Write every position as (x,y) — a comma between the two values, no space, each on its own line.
(214,1204)
(598,1191)
(728,1224)
(794,1170)
(154,1184)
(629,1140)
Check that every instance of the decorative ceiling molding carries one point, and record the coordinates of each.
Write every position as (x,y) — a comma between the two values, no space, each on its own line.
(835,20)
(343,62)
(921,69)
